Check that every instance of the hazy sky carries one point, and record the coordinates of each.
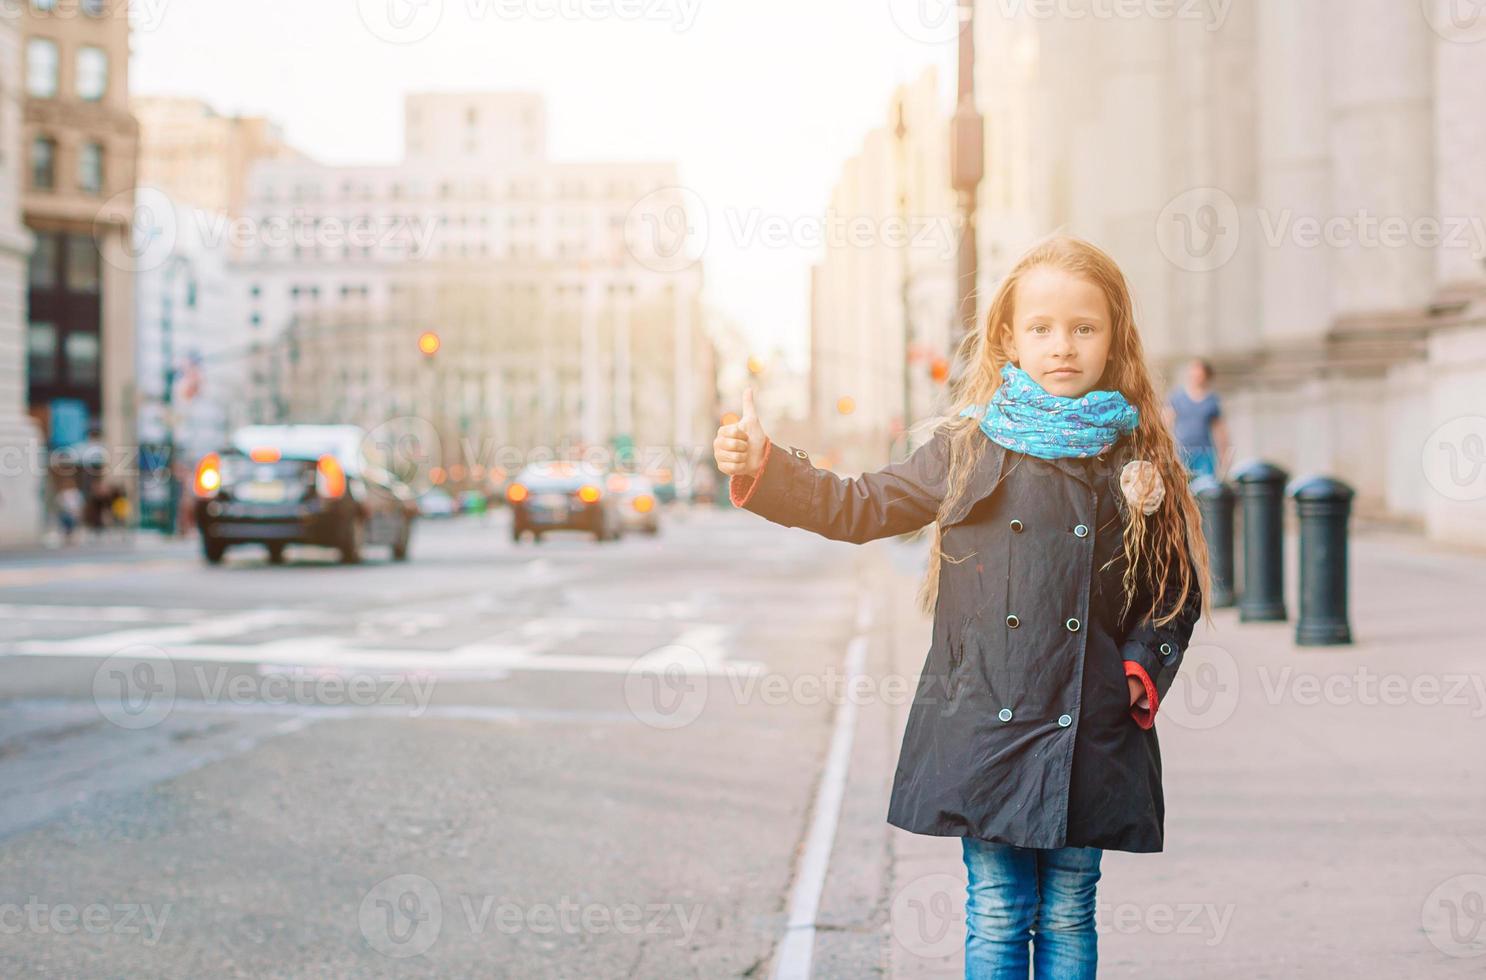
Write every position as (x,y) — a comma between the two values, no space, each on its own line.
(759,102)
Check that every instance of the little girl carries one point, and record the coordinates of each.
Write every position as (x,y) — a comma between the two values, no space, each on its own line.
(1064,582)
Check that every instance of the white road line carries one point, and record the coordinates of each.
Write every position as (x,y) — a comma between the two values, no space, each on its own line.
(797,948)
(104,614)
(111,642)
(334,651)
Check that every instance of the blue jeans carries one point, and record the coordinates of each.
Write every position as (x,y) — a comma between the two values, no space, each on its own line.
(1044,896)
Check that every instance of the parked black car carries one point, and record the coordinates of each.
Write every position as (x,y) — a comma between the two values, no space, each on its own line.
(561,496)
(277,485)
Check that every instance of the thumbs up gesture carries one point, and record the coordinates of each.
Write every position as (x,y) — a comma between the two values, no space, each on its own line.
(739,447)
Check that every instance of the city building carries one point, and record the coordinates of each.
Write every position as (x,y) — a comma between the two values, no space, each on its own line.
(1295,193)
(20,445)
(200,158)
(79,146)
(562,320)
(882,295)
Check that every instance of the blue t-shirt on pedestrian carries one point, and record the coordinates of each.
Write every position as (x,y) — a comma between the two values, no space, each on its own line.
(1194,419)
(1194,431)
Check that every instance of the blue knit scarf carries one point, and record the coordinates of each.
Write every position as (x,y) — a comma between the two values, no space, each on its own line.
(1025,417)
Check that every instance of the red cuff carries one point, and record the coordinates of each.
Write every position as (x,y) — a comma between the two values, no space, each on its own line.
(1144,717)
(740,488)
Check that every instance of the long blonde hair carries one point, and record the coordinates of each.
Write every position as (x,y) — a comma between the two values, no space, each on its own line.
(1153,544)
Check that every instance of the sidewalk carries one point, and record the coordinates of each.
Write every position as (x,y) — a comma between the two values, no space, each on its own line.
(88,546)
(1325,807)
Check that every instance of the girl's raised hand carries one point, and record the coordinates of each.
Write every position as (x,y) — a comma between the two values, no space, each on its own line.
(739,447)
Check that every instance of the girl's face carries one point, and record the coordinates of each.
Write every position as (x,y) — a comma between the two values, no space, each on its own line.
(1061,332)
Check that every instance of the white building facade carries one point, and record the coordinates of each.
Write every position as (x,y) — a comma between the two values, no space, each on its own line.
(562,322)
(22,453)
(1295,192)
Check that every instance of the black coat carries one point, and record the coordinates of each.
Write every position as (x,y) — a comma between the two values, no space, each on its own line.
(1021,729)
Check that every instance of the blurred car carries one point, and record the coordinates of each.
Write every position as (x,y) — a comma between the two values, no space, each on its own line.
(639,504)
(562,496)
(472,501)
(436,503)
(664,483)
(277,485)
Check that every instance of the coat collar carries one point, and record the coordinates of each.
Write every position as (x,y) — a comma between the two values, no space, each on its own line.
(996,461)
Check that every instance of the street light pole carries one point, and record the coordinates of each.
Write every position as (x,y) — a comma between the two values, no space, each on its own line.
(967,165)
(900,132)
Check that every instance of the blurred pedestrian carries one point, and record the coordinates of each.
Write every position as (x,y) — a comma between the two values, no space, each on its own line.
(1031,736)
(1196,419)
(69,508)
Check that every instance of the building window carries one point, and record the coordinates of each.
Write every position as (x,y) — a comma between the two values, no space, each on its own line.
(44,163)
(92,73)
(41,68)
(95,8)
(81,352)
(41,353)
(90,168)
(43,273)
(82,264)
(44,6)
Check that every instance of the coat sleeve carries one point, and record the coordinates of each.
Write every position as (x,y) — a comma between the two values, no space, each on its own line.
(1154,654)
(898,498)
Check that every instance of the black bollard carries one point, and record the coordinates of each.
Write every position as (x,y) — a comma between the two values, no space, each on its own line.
(1261,487)
(1215,500)
(1323,506)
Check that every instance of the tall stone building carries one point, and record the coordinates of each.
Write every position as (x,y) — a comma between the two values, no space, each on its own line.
(20,454)
(79,145)
(1295,192)
(562,321)
(885,282)
(200,158)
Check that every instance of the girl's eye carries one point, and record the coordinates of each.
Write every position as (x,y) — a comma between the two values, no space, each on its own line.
(1085,326)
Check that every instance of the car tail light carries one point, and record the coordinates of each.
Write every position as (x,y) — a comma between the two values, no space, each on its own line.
(330,479)
(265,454)
(644,503)
(516,493)
(588,493)
(208,475)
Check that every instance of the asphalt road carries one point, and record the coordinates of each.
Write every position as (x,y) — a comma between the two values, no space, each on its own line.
(558,760)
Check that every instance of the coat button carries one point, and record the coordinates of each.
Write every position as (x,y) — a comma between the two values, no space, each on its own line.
(800,453)
(1072,625)
(1004,714)
(1064,721)
(1081,531)
(1166,649)
(1012,621)
(1016,525)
